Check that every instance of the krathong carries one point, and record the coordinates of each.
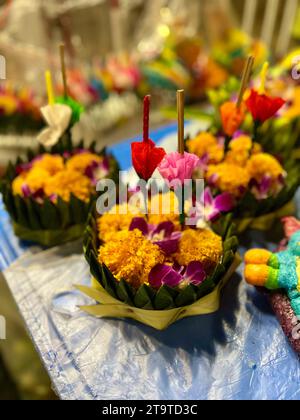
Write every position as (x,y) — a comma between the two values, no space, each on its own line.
(262,182)
(49,195)
(152,266)
(254,183)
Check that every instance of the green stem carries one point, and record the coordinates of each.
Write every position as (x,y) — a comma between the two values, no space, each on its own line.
(226,144)
(256,130)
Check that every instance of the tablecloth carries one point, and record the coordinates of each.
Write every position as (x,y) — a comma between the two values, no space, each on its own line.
(238,353)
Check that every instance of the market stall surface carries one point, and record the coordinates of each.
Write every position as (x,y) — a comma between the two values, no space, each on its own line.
(239,352)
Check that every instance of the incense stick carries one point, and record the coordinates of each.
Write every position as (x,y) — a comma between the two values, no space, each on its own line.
(180,112)
(245,79)
(63,68)
(146,118)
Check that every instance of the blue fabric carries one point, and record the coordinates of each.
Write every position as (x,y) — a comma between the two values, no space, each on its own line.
(238,353)
(10,247)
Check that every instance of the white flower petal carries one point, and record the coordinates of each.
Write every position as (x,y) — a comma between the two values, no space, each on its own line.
(58,118)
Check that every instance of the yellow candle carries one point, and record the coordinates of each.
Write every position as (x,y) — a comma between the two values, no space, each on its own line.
(49,85)
(263,78)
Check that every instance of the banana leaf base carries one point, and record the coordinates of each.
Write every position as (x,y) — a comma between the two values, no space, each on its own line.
(49,238)
(265,222)
(109,307)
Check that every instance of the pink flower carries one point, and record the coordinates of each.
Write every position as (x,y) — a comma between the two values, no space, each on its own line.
(177,168)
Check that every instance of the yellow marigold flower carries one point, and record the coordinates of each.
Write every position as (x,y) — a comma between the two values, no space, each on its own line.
(164,208)
(17,184)
(241,143)
(130,256)
(50,163)
(239,150)
(229,177)
(36,179)
(81,161)
(201,245)
(118,218)
(69,182)
(263,164)
(206,143)
(257,149)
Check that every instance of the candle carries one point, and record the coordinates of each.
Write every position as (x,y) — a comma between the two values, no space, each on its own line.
(263,78)
(49,86)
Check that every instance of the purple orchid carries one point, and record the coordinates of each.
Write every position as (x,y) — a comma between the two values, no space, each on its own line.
(174,276)
(24,167)
(162,235)
(210,208)
(262,189)
(96,170)
(37,195)
(213,207)
(238,134)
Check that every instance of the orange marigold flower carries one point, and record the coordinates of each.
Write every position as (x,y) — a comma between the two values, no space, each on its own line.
(81,161)
(130,256)
(232,117)
(240,149)
(206,144)
(18,183)
(229,177)
(69,182)
(50,163)
(118,218)
(263,164)
(201,245)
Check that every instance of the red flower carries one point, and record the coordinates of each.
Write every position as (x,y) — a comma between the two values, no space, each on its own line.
(263,107)
(146,157)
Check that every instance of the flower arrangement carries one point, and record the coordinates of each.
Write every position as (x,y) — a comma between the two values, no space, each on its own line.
(279,274)
(272,104)
(150,265)
(19,110)
(256,181)
(282,133)
(262,185)
(49,195)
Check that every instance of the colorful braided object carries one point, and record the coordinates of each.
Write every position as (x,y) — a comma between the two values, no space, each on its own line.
(280,272)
